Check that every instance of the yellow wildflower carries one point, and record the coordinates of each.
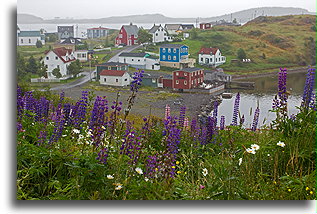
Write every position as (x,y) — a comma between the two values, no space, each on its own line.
(178,172)
(289,190)
(173,167)
(177,162)
(311,192)
(307,188)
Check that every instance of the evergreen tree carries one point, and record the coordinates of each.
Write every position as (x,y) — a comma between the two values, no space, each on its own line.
(144,36)
(21,64)
(42,70)
(32,65)
(39,44)
(75,68)
(56,72)
(241,54)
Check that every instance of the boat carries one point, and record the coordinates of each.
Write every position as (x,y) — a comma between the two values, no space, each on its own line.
(226,95)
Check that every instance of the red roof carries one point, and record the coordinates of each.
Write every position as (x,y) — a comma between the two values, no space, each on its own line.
(62,51)
(112,73)
(208,51)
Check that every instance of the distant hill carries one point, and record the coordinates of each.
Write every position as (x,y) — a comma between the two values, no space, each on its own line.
(28,19)
(241,16)
(249,14)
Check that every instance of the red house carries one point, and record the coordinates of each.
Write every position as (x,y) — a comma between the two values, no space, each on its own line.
(187,78)
(128,35)
(205,26)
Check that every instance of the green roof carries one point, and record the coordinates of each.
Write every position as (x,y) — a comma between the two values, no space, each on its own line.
(30,34)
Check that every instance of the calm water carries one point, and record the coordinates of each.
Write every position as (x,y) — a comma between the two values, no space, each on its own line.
(262,95)
(81,29)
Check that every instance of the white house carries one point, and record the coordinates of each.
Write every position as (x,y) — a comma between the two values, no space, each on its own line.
(29,38)
(172,28)
(58,58)
(210,57)
(114,78)
(159,34)
(140,60)
(81,55)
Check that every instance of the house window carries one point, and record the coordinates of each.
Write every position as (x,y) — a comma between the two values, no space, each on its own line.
(138,60)
(185,74)
(169,57)
(164,57)
(47,58)
(132,60)
(174,57)
(177,73)
(177,82)
(21,40)
(29,40)
(117,80)
(125,80)
(210,59)
(185,82)
(57,66)
(56,58)
(156,34)
(201,59)
(174,50)
(216,59)
(169,50)
(153,81)
(120,36)
(163,50)
(104,79)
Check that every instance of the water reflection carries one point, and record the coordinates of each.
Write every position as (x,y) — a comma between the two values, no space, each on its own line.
(262,96)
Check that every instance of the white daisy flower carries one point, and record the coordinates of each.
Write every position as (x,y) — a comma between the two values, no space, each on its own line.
(255,147)
(139,170)
(240,161)
(76,131)
(281,144)
(205,172)
(110,177)
(250,150)
(118,187)
(146,179)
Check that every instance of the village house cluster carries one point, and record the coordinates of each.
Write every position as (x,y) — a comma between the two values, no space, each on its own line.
(185,76)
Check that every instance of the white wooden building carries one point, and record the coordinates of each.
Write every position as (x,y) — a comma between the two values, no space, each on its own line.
(114,78)
(211,57)
(139,60)
(81,55)
(29,38)
(58,58)
(159,34)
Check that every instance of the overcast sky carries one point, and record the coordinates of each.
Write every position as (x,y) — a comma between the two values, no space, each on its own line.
(48,9)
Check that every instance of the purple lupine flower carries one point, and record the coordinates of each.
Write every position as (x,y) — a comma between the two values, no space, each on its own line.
(255,119)
(137,79)
(102,156)
(182,116)
(131,145)
(211,130)
(19,127)
(97,121)
(222,122)
(59,125)
(20,103)
(308,89)
(78,112)
(42,138)
(236,110)
(167,111)
(41,109)
(152,167)
(172,139)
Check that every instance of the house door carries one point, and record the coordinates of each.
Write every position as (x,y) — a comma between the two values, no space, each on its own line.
(152,67)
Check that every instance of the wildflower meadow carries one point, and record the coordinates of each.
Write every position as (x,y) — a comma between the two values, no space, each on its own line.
(93,149)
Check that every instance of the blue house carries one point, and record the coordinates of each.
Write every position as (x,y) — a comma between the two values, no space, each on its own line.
(175,56)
